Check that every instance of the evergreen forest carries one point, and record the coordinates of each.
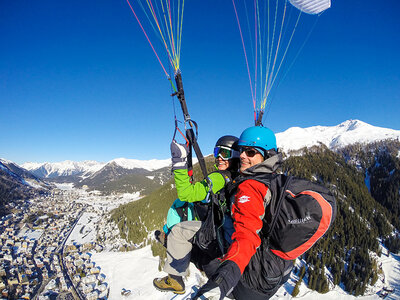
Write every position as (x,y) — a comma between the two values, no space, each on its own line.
(11,190)
(365,180)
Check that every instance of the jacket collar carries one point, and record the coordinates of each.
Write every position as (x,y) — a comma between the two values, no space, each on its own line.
(269,165)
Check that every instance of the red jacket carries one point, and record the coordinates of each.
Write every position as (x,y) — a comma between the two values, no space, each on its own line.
(247,212)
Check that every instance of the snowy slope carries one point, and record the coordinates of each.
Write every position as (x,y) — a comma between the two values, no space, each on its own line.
(4,166)
(20,175)
(346,133)
(135,270)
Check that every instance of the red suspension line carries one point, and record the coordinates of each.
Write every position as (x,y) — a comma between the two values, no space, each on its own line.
(166,74)
(159,28)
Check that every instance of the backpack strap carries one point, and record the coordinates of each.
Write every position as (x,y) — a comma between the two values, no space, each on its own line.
(276,205)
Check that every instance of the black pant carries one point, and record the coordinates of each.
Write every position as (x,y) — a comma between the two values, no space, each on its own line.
(242,292)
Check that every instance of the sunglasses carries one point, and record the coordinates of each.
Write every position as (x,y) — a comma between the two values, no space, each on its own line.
(250,152)
(225,153)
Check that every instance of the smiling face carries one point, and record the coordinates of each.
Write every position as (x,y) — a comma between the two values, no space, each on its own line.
(222,164)
(249,157)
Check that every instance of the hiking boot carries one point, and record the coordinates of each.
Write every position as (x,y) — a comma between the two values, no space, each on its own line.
(169,284)
(161,237)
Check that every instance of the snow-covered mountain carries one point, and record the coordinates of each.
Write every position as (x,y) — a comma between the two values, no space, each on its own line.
(64,168)
(295,138)
(17,182)
(344,134)
(18,174)
(87,168)
(150,165)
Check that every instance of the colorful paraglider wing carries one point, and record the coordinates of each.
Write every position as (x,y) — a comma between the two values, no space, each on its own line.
(311,6)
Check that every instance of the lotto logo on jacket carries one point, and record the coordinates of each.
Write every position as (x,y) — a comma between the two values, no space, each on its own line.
(244,199)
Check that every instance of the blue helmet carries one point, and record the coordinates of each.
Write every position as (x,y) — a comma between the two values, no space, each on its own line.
(258,137)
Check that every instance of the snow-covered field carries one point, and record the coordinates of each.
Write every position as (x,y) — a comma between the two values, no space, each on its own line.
(84,231)
(93,198)
(391,268)
(135,270)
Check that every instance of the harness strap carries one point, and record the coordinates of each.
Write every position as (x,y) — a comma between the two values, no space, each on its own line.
(190,135)
(193,141)
(278,207)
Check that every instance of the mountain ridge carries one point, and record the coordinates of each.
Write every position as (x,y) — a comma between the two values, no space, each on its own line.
(292,139)
(334,137)
(98,175)
(90,167)
(16,184)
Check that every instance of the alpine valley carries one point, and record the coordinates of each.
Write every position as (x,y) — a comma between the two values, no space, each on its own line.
(121,202)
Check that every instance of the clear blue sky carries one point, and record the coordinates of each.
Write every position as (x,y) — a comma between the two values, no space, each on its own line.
(79,81)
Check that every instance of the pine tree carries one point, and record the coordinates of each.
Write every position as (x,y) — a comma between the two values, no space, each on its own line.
(311,282)
(302,272)
(374,278)
(324,287)
(296,289)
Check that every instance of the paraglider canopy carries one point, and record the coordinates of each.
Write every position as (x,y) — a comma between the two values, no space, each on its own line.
(267,30)
(311,6)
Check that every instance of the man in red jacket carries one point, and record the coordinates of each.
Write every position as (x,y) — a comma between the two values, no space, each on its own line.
(249,270)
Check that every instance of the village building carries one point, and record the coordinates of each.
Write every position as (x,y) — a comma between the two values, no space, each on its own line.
(93,295)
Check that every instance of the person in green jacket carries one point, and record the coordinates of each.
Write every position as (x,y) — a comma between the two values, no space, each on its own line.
(180,235)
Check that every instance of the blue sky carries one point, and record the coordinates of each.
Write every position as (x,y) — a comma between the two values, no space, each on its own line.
(79,81)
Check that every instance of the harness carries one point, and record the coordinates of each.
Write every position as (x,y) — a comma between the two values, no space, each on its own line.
(210,237)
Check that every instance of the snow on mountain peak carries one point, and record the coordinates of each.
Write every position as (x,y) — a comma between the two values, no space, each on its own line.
(64,168)
(150,165)
(5,161)
(294,138)
(346,133)
(350,125)
(68,167)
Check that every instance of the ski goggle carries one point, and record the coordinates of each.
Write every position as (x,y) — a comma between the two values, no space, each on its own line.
(250,152)
(225,153)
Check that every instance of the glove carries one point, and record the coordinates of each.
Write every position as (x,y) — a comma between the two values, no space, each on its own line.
(161,237)
(208,291)
(221,283)
(179,153)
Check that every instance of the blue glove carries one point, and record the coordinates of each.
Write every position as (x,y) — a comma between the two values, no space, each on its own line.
(179,153)
(221,283)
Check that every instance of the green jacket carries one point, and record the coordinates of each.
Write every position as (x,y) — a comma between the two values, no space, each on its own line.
(189,192)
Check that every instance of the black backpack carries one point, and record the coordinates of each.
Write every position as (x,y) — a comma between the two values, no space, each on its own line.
(299,213)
